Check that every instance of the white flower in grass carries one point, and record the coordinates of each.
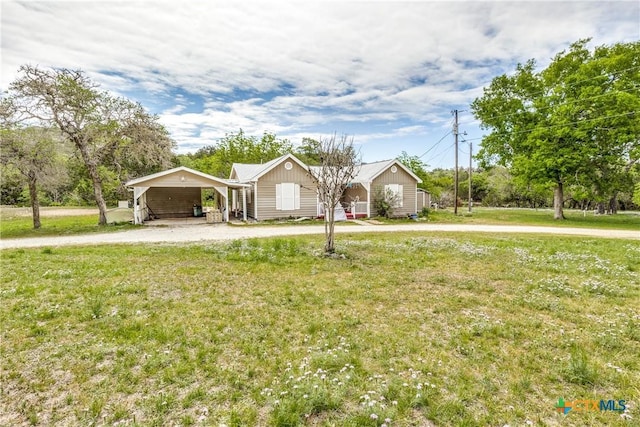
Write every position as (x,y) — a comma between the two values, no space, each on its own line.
(305,396)
(394,403)
(387,420)
(373,416)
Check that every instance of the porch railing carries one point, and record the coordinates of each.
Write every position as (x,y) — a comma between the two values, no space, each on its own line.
(358,208)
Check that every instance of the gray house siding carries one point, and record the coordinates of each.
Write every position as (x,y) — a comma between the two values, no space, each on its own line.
(409,189)
(267,192)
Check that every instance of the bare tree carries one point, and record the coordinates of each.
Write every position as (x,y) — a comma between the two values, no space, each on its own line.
(338,166)
(101,127)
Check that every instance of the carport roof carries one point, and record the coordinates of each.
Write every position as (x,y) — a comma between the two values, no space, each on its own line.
(206,178)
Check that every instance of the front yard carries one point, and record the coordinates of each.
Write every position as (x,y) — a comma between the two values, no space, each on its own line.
(405,329)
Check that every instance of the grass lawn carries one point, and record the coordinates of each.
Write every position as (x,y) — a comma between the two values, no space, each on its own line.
(20,226)
(543,217)
(405,329)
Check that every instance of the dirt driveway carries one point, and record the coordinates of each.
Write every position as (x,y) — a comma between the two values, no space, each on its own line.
(218,232)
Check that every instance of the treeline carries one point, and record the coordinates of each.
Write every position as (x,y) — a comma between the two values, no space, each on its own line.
(497,187)
(67,182)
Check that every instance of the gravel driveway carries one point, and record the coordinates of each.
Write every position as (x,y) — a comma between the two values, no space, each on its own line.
(217,232)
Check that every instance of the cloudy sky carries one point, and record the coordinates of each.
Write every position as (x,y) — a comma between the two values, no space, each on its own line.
(389,73)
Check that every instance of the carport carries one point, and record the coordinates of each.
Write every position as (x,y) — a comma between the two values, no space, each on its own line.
(175,192)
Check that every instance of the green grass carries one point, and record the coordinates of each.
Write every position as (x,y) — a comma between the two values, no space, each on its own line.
(417,329)
(542,217)
(18,226)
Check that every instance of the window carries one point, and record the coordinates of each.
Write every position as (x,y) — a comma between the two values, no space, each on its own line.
(287,196)
(395,191)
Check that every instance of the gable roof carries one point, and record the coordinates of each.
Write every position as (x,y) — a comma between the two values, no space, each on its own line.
(139,182)
(247,172)
(370,171)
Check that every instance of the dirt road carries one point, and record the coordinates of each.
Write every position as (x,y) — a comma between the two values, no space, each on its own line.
(217,232)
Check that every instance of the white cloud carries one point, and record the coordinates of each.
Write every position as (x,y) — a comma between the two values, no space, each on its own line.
(301,67)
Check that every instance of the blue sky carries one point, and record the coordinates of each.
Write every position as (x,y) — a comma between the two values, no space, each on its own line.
(387,73)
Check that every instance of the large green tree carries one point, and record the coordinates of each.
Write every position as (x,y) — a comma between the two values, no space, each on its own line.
(108,132)
(572,119)
(417,167)
(309,151)
(237,147)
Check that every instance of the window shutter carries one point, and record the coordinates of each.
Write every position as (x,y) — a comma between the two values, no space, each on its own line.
(296,196)
(279,197)
(400,195)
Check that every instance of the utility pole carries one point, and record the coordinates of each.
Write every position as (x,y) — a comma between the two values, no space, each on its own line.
(455,175)
(470,167)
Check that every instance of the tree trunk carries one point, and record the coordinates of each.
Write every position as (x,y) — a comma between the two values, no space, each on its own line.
(600,208)
(613,204)
(35,202)
(558,200)
(92,168)
(329,215)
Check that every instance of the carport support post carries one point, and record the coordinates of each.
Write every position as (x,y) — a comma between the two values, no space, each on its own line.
(244,204)
(367,186)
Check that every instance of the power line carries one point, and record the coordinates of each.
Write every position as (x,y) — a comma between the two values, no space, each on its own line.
(435,145)
(441,154)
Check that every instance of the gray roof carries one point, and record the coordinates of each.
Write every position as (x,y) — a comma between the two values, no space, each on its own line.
(248,171)
(369,171)
(141,181)
(366,172)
